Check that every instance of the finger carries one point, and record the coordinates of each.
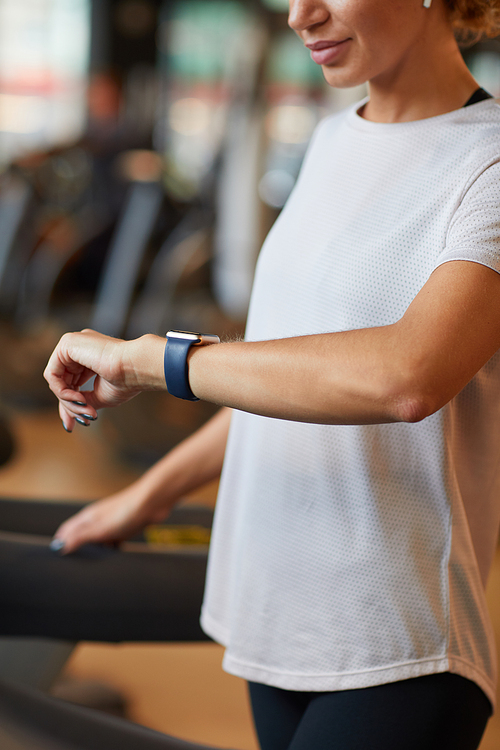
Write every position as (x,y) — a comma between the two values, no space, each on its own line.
(69,542)
(62,389)
(70,415)
(86,402)
(64,393)
(79,410)
(72,534)
(67,419)
(63,546)
(64,376)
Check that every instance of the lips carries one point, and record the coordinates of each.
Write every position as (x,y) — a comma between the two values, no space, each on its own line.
(327,51)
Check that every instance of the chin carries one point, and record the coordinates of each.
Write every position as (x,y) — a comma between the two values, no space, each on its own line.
(342,79)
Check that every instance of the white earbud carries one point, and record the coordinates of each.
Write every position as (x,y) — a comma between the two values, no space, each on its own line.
(427,3)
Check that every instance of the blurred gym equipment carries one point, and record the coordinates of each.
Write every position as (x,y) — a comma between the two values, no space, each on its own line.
(129,243)
(149,589)
(30,720)
(16,208)
(7,445)
(141,591)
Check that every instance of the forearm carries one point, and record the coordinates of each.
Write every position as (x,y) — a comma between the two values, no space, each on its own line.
(351,377)
(340,378)
(191,464)
(399,372)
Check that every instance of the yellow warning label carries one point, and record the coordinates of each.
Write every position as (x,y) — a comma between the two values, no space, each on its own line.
(177,534)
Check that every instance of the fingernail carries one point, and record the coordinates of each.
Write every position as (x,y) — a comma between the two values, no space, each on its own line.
(79,403)
(82,421)
(87,416)
(70,431)
(57,545)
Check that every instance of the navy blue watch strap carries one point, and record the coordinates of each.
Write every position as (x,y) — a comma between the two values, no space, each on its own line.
(176,368)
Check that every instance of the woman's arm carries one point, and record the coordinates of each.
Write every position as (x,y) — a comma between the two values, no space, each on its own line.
(400,372)
(191,464)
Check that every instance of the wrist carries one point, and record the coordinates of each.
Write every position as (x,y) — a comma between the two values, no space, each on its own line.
(143,363)
(176,357)
(148,498)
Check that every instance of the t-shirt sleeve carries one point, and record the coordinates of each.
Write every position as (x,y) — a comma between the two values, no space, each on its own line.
(474,232)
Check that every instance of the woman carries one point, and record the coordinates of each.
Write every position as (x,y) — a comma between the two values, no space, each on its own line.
(358,509)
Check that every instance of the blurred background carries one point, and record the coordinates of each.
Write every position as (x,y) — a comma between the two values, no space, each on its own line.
(146,148)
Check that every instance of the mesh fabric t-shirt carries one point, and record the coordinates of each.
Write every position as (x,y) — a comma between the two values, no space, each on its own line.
(350,556)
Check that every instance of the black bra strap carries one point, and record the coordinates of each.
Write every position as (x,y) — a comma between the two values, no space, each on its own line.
(478,96)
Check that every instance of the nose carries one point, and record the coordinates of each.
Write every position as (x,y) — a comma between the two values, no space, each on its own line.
(306,13)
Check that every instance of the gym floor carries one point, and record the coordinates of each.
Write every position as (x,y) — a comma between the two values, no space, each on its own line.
(175,688)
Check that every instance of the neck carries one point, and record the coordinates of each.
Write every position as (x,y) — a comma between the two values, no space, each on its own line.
(431,80)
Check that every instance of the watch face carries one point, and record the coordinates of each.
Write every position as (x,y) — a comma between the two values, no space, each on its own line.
(196,338)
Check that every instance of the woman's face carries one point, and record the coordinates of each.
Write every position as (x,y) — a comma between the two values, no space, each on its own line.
(360,40)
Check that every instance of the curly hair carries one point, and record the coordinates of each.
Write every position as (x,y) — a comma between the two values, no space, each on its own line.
(473,19)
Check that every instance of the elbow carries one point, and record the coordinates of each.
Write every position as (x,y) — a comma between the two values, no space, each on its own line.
(413,407)
(412,399)
(416,398)
(413,391)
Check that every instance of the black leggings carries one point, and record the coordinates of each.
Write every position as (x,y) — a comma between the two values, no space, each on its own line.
(434,712)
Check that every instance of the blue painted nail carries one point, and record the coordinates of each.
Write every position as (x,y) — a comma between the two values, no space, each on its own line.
(70,431)
(82,421)
(79,403)
(87,416)
(57,545)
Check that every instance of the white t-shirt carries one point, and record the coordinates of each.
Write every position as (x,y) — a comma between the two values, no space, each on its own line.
(350,556)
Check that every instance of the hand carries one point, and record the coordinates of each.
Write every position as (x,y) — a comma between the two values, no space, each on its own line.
(122,369)
(111,520)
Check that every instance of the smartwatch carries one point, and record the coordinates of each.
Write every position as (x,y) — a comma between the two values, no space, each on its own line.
(175,360)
